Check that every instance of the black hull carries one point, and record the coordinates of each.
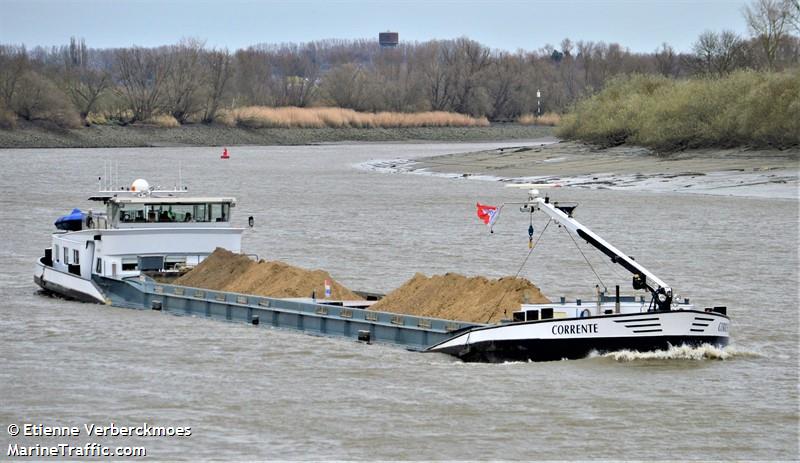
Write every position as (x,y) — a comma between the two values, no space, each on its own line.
(63,292)
(542,350)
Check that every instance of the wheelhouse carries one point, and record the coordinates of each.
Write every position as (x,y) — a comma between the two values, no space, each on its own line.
(151,211)
(158,231)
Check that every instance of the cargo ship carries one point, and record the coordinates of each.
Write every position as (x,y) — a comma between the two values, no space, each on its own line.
(110,256)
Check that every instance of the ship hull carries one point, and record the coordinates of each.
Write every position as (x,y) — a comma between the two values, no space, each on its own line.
(67,285)
(558,339)
(542,350)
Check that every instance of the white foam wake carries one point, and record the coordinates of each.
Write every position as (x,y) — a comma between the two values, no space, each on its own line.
(703,352)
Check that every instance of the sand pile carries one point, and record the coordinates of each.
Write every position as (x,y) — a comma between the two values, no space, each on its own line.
(456,297)
(226,271)
(450,296)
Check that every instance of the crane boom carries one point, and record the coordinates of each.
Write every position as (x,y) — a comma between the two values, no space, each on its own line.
(642,278)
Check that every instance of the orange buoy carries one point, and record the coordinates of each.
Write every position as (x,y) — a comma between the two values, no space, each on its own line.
(225,154)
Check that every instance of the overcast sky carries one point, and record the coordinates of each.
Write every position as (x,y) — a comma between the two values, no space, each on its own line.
(640,25)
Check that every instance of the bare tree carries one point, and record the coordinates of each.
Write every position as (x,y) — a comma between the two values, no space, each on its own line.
(666,60)
(296,91)
(615,57)
(252,78)
(438,86)
(705,49)
(767,21)
(731,52)
(600,68)
(504,85)
(184,81)
(142,74)
(567,68)
(466,59)
(83,85)
(13,64)
(344,86)
(794,16)
(295,74)
(585,51)
(566,47)
(218,67)
(716,53)
(395,80)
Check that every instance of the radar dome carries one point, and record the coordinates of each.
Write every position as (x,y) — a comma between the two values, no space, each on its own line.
(140,185)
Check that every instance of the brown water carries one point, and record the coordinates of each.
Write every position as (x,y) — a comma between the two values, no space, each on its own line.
(260,393)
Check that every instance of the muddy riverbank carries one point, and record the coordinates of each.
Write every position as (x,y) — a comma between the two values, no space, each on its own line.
(107,136)
(748,172)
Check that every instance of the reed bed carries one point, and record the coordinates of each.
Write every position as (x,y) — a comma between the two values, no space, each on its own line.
(548,119)
(746,108)
(258,117)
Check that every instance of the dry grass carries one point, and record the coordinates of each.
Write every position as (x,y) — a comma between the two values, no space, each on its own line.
(125,117)
(549,119)
(257,117)
(163,120)
(8,120)
(110,117)
(97,119)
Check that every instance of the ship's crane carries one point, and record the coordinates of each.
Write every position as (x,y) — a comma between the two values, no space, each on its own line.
(562,215)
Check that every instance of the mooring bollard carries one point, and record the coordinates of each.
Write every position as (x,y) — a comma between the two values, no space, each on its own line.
(156,305)
(255,320)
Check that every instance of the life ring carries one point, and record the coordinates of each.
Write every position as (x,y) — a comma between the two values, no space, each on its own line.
(585,313)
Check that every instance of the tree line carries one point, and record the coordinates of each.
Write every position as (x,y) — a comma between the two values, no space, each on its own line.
(74,84)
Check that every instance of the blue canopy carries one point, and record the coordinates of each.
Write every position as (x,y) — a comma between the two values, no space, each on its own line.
(71,221)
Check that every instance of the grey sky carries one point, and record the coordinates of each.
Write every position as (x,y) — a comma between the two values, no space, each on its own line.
(640,25)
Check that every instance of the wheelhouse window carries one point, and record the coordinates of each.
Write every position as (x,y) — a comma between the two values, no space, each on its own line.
(130,263)
(176,212)
(57,252)
(199,213)
(169,212)
(99,266)
(76,257)
(66,255)
(132,213)
(220,212)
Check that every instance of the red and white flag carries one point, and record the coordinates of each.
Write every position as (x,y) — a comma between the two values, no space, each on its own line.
(486,213)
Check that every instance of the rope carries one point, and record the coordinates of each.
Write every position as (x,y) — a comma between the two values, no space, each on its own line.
(605,288)
(613,268)
(525,261)
(532,248)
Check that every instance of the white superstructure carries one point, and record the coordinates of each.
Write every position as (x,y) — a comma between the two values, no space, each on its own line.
(140,229)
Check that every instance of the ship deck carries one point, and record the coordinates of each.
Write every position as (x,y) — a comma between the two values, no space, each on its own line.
(317,317)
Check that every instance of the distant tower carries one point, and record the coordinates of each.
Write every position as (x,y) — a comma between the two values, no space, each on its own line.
(388,39)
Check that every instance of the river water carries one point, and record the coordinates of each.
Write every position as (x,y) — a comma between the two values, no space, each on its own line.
(259,393)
